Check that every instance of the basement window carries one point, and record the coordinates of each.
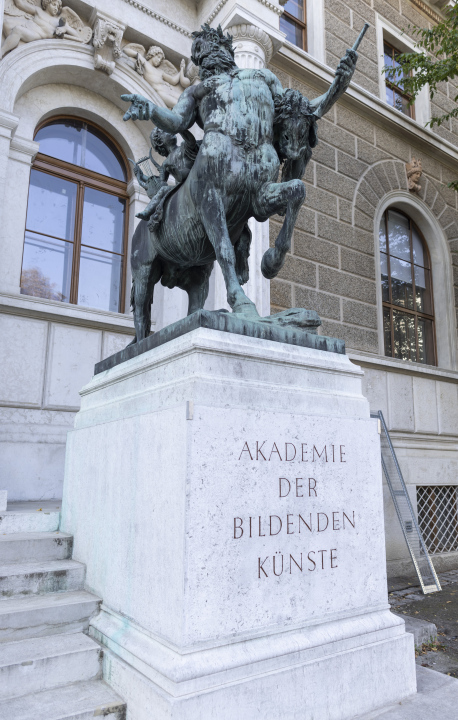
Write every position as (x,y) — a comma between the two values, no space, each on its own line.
(437,517)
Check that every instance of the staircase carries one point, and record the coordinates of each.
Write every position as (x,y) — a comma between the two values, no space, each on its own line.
(49,668)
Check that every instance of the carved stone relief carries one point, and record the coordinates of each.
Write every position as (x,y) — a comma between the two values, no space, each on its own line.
(165,78)
(29,20)
(414,172)
(107,41)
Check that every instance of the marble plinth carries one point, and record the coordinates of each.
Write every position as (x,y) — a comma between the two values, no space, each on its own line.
(225,493)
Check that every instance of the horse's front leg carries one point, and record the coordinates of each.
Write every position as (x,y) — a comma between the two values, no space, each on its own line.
(213,218)
(276,198)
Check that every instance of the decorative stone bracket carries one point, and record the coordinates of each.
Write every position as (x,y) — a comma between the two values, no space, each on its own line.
(107,41)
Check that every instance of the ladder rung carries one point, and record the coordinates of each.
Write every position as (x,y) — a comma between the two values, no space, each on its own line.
(430,589)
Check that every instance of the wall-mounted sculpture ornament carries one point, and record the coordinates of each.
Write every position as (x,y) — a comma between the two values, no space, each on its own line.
(107,43)
(414,172)
(26,21)
(158,72)
(252,126)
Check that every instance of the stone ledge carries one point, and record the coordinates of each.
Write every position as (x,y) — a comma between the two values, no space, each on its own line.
(225,322)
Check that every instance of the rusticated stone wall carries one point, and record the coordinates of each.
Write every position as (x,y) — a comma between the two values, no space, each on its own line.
(331,267)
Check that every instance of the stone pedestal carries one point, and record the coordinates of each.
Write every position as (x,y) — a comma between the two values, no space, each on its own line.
(225,493)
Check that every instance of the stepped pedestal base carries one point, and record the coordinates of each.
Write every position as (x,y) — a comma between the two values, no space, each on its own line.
(225,494)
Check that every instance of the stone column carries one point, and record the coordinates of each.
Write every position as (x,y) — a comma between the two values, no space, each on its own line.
(253,50)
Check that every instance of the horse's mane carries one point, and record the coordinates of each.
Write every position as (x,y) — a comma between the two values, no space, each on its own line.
(291,104)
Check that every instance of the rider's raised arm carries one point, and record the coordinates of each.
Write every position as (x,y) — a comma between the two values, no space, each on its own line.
(344,74)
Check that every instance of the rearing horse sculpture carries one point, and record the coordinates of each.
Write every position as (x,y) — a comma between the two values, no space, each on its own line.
(251,125)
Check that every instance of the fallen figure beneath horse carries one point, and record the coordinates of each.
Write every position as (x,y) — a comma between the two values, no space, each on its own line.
(252,126)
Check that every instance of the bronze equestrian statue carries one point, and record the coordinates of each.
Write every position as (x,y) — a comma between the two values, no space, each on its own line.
(251,126)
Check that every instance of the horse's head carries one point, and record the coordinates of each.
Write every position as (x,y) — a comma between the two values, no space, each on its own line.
(295,131)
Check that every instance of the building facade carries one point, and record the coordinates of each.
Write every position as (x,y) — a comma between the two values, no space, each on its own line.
(375,249)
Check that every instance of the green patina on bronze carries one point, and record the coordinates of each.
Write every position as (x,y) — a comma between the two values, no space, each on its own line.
(253,127)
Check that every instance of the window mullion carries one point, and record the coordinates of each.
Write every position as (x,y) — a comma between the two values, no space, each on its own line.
(77,243)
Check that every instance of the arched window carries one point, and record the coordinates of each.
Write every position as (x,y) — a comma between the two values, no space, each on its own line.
(75,236)
(408,313)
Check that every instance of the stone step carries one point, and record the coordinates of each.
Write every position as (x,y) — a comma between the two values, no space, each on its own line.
(78,701)
(25,517)
(51,614)
(38,664)
(52,576)
(35,547)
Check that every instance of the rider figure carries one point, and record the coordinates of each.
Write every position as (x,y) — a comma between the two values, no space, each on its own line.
(178,162)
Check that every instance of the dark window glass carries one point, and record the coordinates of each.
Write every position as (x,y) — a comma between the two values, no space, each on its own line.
(293,23)
(408,321)
(81,144)
(74,241)
(395,94)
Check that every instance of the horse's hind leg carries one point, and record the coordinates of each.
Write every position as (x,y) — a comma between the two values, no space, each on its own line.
(213,218)
(143,281)
(195,282)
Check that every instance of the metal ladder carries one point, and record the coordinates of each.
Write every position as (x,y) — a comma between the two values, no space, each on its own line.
(412,534)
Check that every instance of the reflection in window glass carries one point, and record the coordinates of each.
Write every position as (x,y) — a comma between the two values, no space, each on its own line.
(399,235)
(46,267)
(52,203)
(69,209)
(409,335)
(99,280)
(292,31)
(78,143)
(295,8)
(103,220)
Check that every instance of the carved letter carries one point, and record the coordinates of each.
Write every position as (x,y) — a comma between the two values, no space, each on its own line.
(312,488)
(260,564)
(322,558)
(335,522)
(260,533)
(246,449)
(238,527)
(309,527)
(304,445)
(313,561)
(342,454)
(258,450)
(286,452)
(327,522)
(288,523)
(270,524)
(334,550)
(319,454)
(289,486)
(275,573)
(298,485)
(346,516)
(276,451)
(296,563)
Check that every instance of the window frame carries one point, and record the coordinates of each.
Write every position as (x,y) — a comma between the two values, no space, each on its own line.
(399,308)
(396,88)
(85,178)
(302,24)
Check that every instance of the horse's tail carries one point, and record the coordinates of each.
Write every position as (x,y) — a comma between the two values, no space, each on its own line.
(132,296)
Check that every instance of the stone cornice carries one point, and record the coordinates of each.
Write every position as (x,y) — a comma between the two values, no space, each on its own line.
(277,10)
(157,16)
(432,14)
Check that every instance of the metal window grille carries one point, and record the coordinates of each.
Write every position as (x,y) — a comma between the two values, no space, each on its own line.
(438,517)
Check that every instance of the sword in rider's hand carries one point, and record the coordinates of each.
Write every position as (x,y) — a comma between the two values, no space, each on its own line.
(360,36)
